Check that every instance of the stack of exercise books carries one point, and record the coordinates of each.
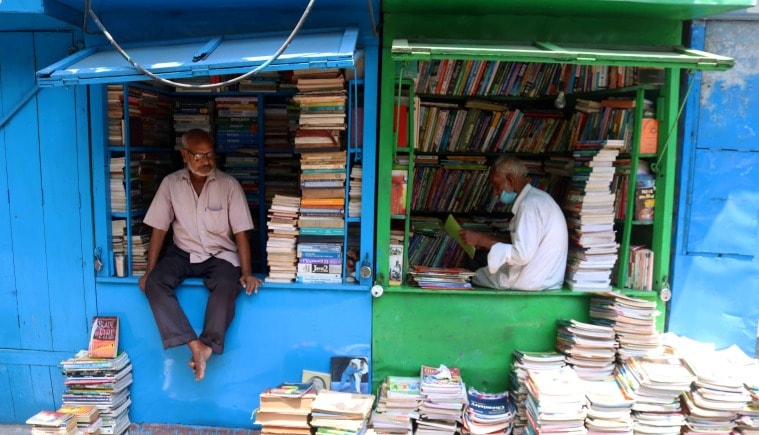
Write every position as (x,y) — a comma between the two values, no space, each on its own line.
(488,413)
(609,407)
(656,384)
(590,215)
(285,409)
(555,402)
(102,383)
(281,255)
(397,405)
(443,400)
(523,361)
(339,412)
(716,397)
(590,349)
(633,320)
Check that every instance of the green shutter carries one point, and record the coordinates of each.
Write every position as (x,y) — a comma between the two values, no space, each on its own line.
(664,57)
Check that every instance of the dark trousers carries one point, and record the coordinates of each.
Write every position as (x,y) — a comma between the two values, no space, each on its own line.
(222,280)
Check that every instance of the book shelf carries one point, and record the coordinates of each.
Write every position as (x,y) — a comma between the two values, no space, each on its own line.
(450,138)
(261,156)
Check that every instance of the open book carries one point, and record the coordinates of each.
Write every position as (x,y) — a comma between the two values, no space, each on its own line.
(452,227)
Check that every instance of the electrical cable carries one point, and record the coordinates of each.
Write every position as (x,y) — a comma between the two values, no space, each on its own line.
(254,71)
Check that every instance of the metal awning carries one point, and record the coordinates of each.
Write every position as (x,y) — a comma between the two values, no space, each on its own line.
(203,57)
(665,57)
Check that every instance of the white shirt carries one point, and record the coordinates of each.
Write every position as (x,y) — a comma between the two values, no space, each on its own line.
(205,225)
(536,258)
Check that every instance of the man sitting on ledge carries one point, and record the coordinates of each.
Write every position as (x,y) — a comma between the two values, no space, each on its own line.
(210,217)
(536,257)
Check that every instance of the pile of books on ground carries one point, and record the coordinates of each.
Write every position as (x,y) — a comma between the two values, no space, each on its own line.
(52,422)
(590,349)
(441,278)
(656,384)
(488,413)
(102,383)
(397,405)
(281,256)
(633,320)
(522,362)
(286,409)
(555,402)
(443,399)
(717,395)
(338,412)
(590,216)
(609,407)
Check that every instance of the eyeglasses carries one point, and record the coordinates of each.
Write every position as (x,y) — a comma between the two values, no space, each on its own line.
(200,156)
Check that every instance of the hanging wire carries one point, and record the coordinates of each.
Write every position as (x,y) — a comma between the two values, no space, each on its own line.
(655,166)
(371,18)
(254,71)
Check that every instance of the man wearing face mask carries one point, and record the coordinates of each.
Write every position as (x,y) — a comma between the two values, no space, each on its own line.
(536,258)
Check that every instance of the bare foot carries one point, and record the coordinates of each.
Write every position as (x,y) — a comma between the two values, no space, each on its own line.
(200,354)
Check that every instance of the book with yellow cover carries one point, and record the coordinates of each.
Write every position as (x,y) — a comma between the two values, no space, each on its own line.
(452,227)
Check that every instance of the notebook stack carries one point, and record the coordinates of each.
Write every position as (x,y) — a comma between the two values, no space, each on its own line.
(338,412)
(633,321)
(286,409)
(397,405)
(523,361)
(590,349)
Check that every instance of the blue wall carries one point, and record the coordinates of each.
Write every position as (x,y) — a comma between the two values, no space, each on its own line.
(49,292)
(716,264)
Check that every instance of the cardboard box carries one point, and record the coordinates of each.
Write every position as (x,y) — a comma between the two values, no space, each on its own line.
(649,136)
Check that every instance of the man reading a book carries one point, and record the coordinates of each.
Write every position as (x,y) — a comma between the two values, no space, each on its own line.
(536,256)
(209,215)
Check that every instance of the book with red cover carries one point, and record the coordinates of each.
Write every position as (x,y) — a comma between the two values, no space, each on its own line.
(104,337)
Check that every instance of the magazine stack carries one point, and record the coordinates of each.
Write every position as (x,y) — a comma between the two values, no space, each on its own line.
(102,383)
(443,400)
(555,402)
(609,407)
(633,321)
(590,349)
(285,409)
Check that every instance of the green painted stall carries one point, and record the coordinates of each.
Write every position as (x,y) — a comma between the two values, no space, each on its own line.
(478,330)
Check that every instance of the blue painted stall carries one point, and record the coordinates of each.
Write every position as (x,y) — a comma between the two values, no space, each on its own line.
(54,168)
(716,260)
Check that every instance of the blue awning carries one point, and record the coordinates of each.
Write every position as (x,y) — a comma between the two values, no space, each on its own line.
(203,57)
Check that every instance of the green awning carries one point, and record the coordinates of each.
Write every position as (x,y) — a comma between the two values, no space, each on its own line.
(665,57)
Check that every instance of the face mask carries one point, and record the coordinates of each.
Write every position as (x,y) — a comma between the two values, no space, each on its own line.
(507,197)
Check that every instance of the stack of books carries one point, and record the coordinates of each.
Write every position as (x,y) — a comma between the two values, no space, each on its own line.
(443,399)
(319,262)
(346,413)
(716,397)
(87,417)
(276,128)
(102,383)
(397,405)
(609,407)
(119,188)
(281,256)
(190,113)
(285,409)
(243,165)
(322,99)
(441,278)
(656,384)
(488,413)
(590,216)
(633,321)
(52,422)
(590,349)
(322,183)
(523,361)
(555,401)
(116,118)
(236,122)
(354,191)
